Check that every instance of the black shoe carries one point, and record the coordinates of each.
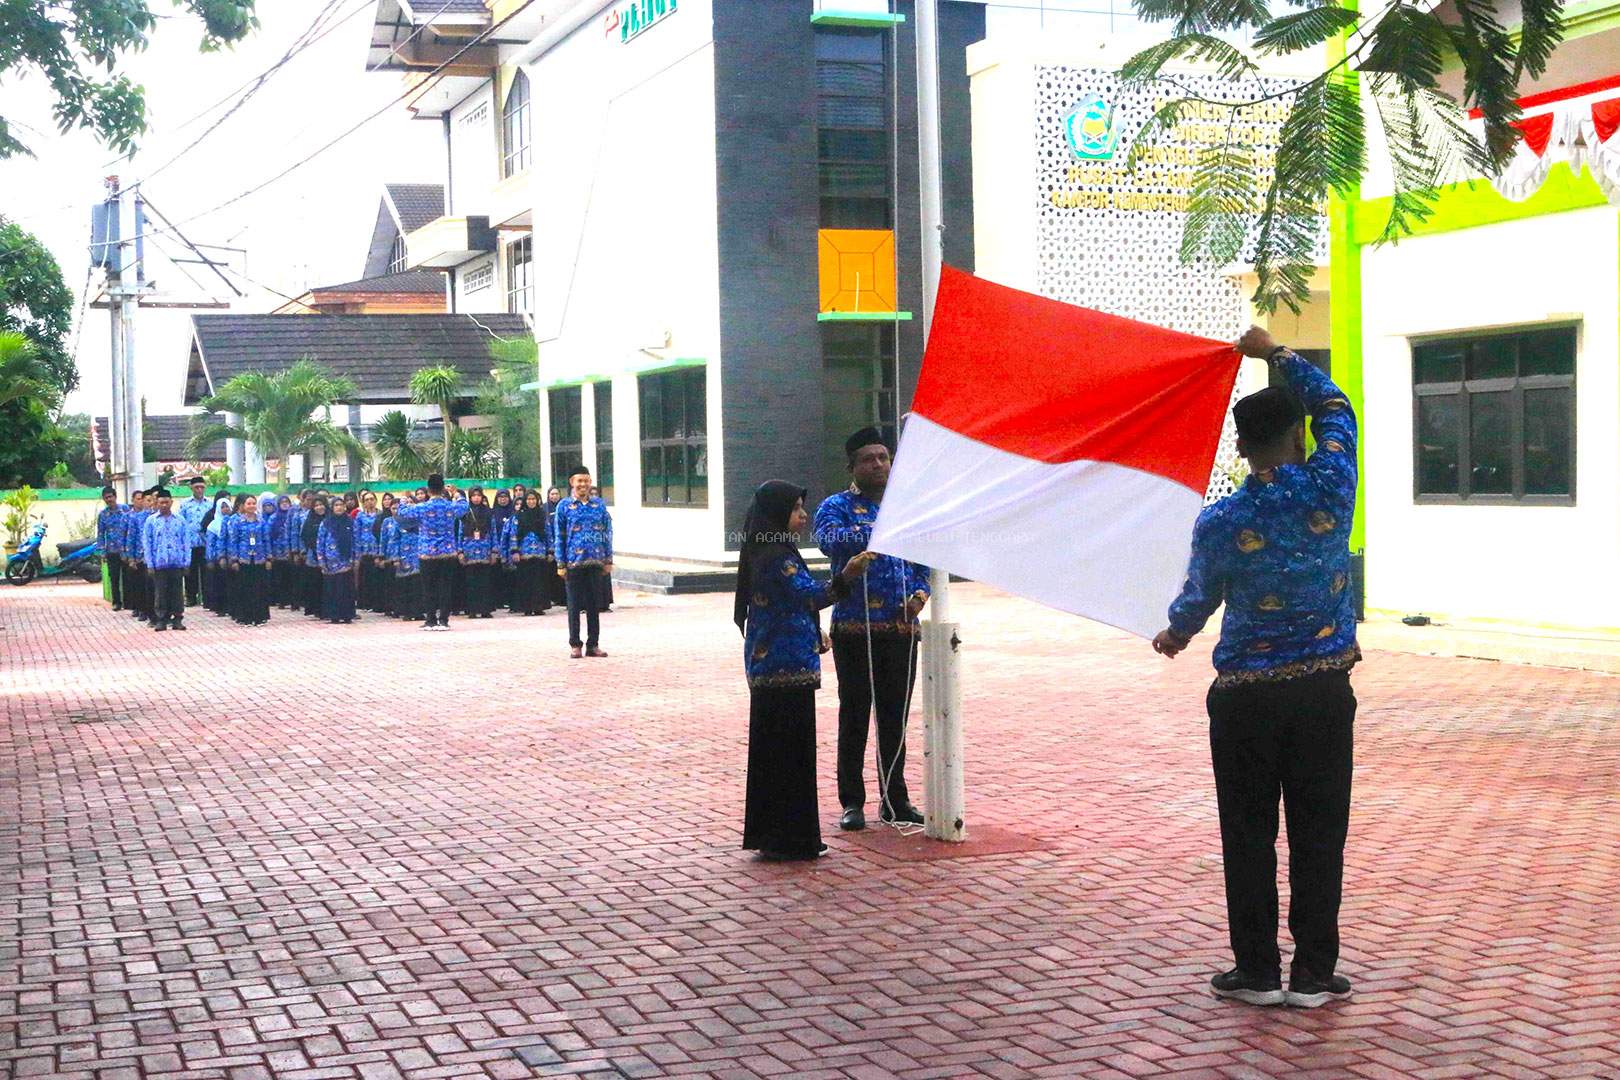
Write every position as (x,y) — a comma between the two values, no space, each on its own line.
(430,625)
(160,628)
(118,607)
(1254,989)
(1306,991)
(854,819)
(179,625)
(905,813)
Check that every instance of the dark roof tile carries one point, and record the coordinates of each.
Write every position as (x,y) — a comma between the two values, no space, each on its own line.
(411,281)
(416,204)
(164,438)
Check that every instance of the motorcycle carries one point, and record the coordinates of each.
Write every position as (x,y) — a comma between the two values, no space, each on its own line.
(81,557)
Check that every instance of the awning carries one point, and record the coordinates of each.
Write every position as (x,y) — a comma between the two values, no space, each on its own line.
(566,376)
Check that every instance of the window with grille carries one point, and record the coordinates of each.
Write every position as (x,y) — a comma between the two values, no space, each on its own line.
(1493,418)
(674,438)
(602,404)
(857,370)
(397,261)
(516,127)
(519,283)
(853,129)
(567,442)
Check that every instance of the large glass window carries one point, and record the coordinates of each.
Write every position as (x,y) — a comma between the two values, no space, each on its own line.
(857,370)
(567,443)
(1494,417)
(602,397)
(674,438)
(852,115)
(519,279)
(396,260)
(516,127)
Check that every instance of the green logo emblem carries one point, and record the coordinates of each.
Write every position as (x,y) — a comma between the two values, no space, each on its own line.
(1089,127)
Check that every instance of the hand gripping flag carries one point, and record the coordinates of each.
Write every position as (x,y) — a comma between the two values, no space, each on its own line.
(1057,452)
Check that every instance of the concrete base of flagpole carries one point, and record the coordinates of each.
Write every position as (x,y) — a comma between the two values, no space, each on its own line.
(942,716)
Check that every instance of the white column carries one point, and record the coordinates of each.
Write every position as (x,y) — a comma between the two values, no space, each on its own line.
(236,452)
(255,465)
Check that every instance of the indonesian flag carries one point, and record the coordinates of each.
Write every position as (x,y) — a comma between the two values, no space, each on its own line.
(1057,452)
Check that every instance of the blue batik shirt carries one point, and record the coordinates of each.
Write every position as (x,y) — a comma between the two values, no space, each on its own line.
(110,529)
(327,554)
(1276,552)
(584,533)
(407,550)
(478,549)
(438,517)
(249,540)
(165,543)
(135,534)
(782,638)
(214,542)
(365,542)
(843,528)
(192,511)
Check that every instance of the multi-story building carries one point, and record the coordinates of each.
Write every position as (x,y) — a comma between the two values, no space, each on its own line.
(708,209)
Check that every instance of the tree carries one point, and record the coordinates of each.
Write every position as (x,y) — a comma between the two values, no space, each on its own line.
(1401,49)
(399,454)
(22,375)
(34,299)
(441,386)
(277,413)
(477,455)
(76,48)
(517,418)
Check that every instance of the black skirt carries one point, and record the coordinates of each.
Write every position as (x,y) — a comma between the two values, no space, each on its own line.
(337,596)
(408,596)
(250,602)
(556,588)
(310,575)
(480,597)
(781,817)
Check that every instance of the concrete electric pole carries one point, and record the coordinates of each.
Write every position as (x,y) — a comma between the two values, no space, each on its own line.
(117,246)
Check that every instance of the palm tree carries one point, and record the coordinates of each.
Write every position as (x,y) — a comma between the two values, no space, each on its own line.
(478,454)
(440,386)
(21,373)
(398,453)
(278,413)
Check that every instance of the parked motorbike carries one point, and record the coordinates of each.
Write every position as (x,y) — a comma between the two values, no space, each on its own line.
(80,557)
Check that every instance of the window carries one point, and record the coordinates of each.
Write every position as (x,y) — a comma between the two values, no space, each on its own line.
(674,438)
(857,371)
(515,127)
(519,284)
(1494,418)
(852,116)
(396,261)
(602,396)
(567,456)
(479,278)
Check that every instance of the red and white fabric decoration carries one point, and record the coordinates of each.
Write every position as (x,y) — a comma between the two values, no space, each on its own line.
(1057,452)
(1581,133)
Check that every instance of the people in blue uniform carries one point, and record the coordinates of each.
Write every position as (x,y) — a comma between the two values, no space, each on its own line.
(584,551)
(249,551)
(436,517)
(166,550)
(335,554)
(110,538)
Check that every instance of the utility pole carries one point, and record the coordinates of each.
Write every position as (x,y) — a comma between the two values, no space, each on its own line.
(121,255)
(942,693)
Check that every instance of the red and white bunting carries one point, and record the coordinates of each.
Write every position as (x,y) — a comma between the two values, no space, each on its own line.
(1584,133)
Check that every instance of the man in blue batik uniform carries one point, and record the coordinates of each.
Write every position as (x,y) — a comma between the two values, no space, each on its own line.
(437,549)
(110,538)
(876,620)
(584,550)
(1281,712)
(192,511)
(166,546)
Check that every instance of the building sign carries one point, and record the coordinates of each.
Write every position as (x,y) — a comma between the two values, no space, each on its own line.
(636,18)
(1090,130)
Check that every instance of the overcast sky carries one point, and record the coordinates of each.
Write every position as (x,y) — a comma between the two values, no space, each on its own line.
(310,228)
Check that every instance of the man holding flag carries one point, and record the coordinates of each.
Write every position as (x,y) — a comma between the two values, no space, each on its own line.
(1281,711)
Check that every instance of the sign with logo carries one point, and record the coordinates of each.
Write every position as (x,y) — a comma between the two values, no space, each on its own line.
(1089,128)
(636,18)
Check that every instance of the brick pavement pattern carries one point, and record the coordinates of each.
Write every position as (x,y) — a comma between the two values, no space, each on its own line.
(305,851)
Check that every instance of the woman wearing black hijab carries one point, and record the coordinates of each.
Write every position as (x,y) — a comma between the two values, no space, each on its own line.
(775,608)
(477,555)
(310,570)
(555,587)
(502,518)
(335,554)
(529,551)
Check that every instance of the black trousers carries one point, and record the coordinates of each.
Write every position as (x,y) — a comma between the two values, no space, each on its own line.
(438,588)
(168,595)
(115,579)
(780,815)
(249,593)
(583,592)
(194,576)
(137,590)
(1294,738)
(893,671)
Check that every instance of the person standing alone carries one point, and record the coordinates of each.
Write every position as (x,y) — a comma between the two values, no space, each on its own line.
(166,545)
(1281,712)
(874,638)
(584,550)
(436,548)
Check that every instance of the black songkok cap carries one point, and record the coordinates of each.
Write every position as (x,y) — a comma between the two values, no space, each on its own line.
(1267,415)
(109,490)
(161,492)
(196,480)
(867,436)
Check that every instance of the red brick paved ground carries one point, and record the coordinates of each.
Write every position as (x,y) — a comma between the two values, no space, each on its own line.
(308,851)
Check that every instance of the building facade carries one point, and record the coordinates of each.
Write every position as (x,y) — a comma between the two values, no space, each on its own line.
(708,209)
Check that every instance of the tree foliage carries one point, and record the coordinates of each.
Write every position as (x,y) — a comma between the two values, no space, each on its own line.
(397,450)
(438,385)
(77,47)
(35,300)
(278,414)
(515,411)
(1401,49)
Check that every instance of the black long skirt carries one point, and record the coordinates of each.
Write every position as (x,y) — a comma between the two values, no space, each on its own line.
(337,597)
(781,817)
(218,594)
(458,587)
(556,588)
(480,597)
(604,591)
(528,592)
(250,602)
(311,575)
(211,587)
(373,595)
(408,596)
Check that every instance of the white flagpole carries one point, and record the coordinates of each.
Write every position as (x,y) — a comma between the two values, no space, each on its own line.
(942,694)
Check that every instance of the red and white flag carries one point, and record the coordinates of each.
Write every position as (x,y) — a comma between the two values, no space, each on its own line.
(1057,452)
